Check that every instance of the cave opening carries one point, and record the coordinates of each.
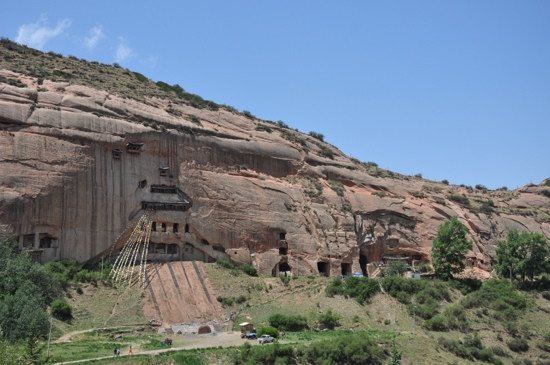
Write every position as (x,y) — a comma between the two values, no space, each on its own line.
(281,269)
(363,264)
(323,268)
(346,268)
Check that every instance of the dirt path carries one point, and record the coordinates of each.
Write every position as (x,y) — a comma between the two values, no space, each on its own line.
(67,336)
(202,341)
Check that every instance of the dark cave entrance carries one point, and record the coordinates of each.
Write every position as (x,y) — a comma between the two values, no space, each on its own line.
(323,268)
(281,269)
(346,269)
(363,264)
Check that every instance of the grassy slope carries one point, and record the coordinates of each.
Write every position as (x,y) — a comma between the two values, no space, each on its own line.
(384,318)
(306,296)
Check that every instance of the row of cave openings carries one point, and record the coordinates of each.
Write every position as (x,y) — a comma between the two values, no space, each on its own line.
(282,268)
(135,148)
(323,267)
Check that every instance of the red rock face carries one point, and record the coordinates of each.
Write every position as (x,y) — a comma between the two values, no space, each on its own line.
(269,199)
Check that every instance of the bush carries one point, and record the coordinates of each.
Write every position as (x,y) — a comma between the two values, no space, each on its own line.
(497,295)
(248,114)
(249,270)
(275,354)
(518,345)
(350,349)
(544,346)
(437,323)
(329,320)
(460,199)
(362,289)
(487,206)
(140,77)
(61,309)
(335,287)
(423,267)
(226,264)
(226,302)
(246,268)
(466,285)
(499,351)
(264,128)
(456,318)
(337,186)
(325,152)
(288,323)
(268,330)
(471,348)
(454,346)
(193,119)
(318,136)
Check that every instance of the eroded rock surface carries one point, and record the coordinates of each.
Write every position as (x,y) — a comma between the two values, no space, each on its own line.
(261,193)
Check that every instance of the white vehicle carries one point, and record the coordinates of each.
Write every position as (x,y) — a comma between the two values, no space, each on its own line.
(265,339)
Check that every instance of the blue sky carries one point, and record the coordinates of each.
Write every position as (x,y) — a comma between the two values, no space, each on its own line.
(456,90)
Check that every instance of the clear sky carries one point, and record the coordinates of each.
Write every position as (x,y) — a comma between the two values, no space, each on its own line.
(456,90)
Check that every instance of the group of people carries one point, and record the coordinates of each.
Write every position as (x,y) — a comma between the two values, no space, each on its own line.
(117,351)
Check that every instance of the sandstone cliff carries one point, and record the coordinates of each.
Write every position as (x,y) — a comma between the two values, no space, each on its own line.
(259,192)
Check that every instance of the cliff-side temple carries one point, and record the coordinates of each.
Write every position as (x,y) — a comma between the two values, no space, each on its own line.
(79,165)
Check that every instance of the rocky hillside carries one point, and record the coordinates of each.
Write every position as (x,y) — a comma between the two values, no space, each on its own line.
(85,148)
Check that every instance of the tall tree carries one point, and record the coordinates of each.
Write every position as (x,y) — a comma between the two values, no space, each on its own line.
(449,248)
(526,254)
(26,289)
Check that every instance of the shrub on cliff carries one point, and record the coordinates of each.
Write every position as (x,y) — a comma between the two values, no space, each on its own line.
(318,136)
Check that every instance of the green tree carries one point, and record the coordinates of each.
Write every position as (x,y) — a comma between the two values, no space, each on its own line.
(396,268)
(449,248)
(26,289)
(526,254)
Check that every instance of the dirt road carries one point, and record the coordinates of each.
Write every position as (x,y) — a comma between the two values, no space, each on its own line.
(195,342)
